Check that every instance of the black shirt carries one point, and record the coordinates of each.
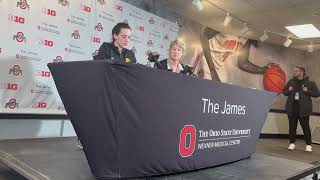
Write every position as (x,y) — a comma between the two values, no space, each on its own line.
(110,51)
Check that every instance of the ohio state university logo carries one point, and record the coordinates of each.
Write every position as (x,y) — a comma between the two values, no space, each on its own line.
(187,143)
(149,43)
(20,37)
(63,2)
(12,104)
(23,4)
(16,70)
(151,20)
(98,27)
(75,34)
(102,2)
(58,59)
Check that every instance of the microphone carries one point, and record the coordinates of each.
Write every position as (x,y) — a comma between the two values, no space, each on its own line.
(154,57)
(188,71)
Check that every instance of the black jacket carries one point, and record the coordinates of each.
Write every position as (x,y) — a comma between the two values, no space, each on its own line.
(110,51)
(163,64)
(305,102)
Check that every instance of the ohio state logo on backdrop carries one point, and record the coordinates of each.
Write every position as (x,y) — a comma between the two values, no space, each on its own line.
(187,140)
(23,4)
(20,37)
(151,20)
(58,59)
(102,2)
(149,43)
(63,2)
(75,34)
(98,27)
(16,70)
(12,104)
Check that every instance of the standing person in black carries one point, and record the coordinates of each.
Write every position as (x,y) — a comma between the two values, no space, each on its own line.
(299,105)
(117,49)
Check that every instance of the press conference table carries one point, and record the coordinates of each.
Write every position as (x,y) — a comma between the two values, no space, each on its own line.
(136,121)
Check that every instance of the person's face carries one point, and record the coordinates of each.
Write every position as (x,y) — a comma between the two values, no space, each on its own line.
(297,72)
(175,53)
(123,38)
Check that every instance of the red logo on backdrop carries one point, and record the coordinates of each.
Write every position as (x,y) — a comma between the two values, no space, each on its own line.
(102,2)
(63,2)
(12,104)
(141,28)
(186,148)
(43,73)
(46,42)
(17,19)
(118,7)
(49,12)
(9,86)
(20,37)
(96,39)
(23,4)
(151,20)
(16,70)
(231,45)
(40,105)
(75,34)
(149,43)
(58,59)
(86,8)
(98,27)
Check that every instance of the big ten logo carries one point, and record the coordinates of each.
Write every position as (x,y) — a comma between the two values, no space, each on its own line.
(101,2)
(9,86)
(15,70)
(16,19)
(49,12)
(95,53)
(12,104)
(42,73)
(75,34)
(140,28)
(151,20)
(58,59)
(64,2)
(85,8)
(187,144)
(40,105)
(23,4)
(20,37)
(98,27)
(118,7)
(232,45)
(95,39)
(46,42)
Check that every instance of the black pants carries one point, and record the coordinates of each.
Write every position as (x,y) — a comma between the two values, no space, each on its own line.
(304,122)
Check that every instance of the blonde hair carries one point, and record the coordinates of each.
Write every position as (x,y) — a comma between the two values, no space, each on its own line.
(180,44)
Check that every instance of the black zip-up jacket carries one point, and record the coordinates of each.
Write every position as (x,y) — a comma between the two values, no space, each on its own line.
(111,52)
(305,102)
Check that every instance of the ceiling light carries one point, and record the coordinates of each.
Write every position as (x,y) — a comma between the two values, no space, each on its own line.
(304,31)
(244,29)
(197,4)
(287,43)
(227,20)
(264,37)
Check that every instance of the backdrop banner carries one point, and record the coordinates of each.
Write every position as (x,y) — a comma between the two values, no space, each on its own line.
(138,121)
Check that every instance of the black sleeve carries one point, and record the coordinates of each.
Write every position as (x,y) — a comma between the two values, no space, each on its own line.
(286,91)
(102,54)
(313,90)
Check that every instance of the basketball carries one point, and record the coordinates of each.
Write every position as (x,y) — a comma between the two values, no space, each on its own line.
(274,79)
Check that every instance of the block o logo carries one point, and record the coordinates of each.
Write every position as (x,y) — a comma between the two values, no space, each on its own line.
(186,149)
(23,4)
